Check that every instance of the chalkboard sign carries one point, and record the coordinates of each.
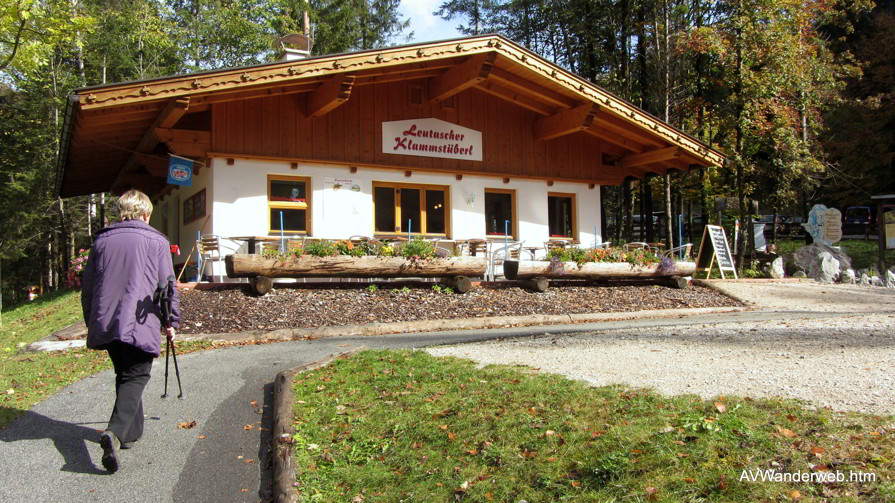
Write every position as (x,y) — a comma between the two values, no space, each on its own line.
(714,247)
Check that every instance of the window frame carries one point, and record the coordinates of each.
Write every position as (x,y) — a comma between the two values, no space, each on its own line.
(513,213)
(192,203)
(574,199)
(290,205)
(446,189)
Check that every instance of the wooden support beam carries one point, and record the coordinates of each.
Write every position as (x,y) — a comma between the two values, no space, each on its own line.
(518,83)
(332,93)
(515,98)
(625,144)
(167,135)
(156,164)
(189,149)
(620,127)
(169,116)
(650,157)
(461,77)
(565,122)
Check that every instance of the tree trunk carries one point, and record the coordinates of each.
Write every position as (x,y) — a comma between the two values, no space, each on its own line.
(629,210)
(689,221)
(738,148)
(646,215)
(642,211)
(669,214)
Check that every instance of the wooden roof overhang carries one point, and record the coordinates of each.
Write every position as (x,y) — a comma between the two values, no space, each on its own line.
(116,136)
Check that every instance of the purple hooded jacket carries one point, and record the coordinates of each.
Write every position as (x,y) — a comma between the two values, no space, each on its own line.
(126,263)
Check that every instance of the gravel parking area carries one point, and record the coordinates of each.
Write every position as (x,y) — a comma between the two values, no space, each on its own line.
(846,362)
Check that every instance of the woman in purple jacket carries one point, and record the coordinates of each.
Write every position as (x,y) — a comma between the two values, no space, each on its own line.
(126,264)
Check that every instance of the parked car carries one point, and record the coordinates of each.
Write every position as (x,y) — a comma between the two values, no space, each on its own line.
(857,220)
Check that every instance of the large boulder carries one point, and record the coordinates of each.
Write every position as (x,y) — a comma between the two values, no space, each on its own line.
(806,256)
(825,268)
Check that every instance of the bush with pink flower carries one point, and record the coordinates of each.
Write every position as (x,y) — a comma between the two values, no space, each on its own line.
(76,268)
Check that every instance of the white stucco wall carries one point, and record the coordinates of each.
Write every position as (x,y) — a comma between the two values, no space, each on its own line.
(237,202)
(172,205)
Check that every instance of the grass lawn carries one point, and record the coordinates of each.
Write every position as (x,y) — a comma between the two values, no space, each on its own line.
(405,426)
(28,378)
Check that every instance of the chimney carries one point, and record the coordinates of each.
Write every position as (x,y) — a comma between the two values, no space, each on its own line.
(293,47)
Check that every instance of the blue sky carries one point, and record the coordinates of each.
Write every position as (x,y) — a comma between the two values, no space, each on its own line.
(425,26)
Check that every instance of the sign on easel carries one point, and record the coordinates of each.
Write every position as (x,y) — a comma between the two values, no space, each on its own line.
(714,247)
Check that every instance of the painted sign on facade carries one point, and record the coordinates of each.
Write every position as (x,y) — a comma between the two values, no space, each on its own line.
(431,138)
(343,199)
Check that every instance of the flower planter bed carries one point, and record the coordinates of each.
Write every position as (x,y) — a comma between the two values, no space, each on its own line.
(457,270)
(344,266)
(529,269)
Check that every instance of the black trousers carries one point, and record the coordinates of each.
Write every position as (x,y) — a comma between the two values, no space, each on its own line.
(132,368)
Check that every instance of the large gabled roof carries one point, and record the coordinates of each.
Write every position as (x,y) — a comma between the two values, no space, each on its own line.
(111,129)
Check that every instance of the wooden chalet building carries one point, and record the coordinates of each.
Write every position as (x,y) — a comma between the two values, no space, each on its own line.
(449,138)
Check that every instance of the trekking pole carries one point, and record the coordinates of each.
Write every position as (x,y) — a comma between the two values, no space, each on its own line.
(165,296)
(167,350)
(169,300)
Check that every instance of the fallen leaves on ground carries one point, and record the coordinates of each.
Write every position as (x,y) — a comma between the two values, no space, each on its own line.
(223,311)
(187,425)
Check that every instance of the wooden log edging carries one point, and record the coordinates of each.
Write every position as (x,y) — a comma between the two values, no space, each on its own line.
(343,266)
(285,482)
(529,269)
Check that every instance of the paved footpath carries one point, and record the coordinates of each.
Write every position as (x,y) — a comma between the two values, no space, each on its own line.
(52,453)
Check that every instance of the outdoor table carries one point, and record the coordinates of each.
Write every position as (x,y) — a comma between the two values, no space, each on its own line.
(251,240)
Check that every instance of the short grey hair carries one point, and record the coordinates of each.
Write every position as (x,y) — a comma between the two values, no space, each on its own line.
(133,204)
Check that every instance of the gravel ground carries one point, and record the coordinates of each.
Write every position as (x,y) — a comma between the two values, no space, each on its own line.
(846,362)
(226,311)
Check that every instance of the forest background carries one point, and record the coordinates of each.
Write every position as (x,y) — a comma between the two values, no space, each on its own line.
(800,94)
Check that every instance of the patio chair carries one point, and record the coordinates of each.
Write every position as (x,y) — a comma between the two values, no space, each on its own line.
(675,252)
(553,245)
(637,245)
(500,253)
(209,247)
(478,247)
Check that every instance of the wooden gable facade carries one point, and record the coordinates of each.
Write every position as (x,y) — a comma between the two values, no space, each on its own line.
(538,121)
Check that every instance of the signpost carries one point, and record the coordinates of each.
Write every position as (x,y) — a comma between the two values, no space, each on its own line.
(714,247)
(885,219)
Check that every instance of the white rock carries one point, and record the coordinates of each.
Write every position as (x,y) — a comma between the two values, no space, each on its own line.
(848,276)
(825,268)
(890,279)
(777,268)
(876,281)
(865,279)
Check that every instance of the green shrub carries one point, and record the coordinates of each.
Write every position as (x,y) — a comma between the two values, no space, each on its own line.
(417,249)
(271,252)
(320,248)
(386,251)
